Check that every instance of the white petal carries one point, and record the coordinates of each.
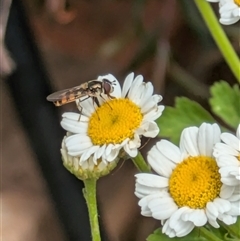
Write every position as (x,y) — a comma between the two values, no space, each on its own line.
(86,155)
(130,152)
(212,214)
(127,84)
(235,195)
(168,230)
(77,144)
(147,93)
(112,155)
(184,228)
(223,149)
(222,205)
(108,149)
(85,106)
(230,180)
(227,219)
(169,150)
(72,116)
(85,165)
(136,89)
(160,163)
(197,216)
(145,211)
(148,129)
(143,203)
(238,132)
(116,86)
(74,126)
(99,152)
(154,113)
(142,191)
(217,209)
(138,95)
(135,142)
(109,77)
(226,191)
(188,141)
(227,7)
(151,180)
(208,136)
(77,139)
(231,140)
(228,21)
(227,160)
(162,207)
(235,210)
(102,165)
(180,227)
(151,103)
(230,175)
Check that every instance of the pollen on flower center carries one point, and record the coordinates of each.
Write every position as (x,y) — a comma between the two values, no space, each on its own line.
(114,121)
(195,182)
(237,2)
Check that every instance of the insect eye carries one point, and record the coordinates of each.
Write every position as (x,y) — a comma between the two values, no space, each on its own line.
(107,86)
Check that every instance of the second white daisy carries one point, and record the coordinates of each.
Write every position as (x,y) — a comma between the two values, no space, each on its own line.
(186,191)
(117,124)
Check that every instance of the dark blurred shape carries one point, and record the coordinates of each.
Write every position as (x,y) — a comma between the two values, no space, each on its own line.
(7,64)
(29,85)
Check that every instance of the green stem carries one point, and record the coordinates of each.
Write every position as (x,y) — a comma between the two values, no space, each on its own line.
(140,163)
(219,36)
(89,193)
(209,235)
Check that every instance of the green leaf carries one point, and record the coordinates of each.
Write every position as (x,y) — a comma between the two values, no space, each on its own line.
(225,102)
(159,236)
(186,113)
(232,230)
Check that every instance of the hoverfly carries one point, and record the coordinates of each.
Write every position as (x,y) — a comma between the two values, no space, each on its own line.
(91,89)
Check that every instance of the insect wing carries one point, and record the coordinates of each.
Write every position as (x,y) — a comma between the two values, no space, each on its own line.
(66,96)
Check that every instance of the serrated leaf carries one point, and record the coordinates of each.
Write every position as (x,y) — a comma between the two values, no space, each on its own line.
(185,113)
(225,102)
(159,236)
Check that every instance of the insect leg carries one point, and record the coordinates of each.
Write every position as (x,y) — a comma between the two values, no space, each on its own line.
(80,107)
(95,100)
(141,147)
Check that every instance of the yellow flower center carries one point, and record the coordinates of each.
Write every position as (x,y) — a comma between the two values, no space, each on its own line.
(195,182)
(237,2)
(114,121)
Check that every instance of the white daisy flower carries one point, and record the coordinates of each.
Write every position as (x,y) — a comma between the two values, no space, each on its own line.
(213,1)
(229,11)
(228,158)
(117,124)
(186,190)
(88,169)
